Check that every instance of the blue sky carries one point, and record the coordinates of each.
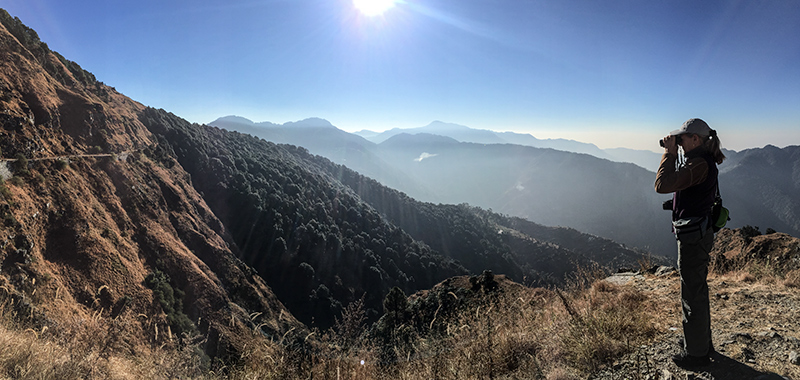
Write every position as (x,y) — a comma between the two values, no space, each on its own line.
(614,73)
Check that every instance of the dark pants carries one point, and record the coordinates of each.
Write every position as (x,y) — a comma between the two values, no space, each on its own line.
(693,267)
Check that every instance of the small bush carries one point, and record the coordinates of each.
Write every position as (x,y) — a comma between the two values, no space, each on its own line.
(171,301)
(750,231)
(8,220)
(21,164)
(62,164)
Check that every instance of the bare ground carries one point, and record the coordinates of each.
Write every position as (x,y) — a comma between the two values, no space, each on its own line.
(754,324)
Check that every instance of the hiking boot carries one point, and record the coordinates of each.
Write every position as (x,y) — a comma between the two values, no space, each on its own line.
(685,360)
(711,350)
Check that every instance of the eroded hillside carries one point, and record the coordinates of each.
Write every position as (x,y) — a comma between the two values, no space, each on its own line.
(118,238)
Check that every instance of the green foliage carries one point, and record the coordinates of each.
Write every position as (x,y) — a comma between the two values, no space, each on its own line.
(21,164)
(7,216)
(394,330)
(171,300)
(62,164)
(749,231)
(395,308)
(24,34)
(314,241)
(5,192)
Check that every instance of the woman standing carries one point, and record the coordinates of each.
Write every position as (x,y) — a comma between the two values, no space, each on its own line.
(693,181)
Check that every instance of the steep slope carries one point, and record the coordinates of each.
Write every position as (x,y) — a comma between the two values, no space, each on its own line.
(118,237)
(121,229)
(323,236)
(313,240)
(483,240)
(546,186)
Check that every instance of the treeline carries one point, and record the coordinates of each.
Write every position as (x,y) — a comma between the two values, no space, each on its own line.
(40,51)
(481,239)
(313,240)
(324,236)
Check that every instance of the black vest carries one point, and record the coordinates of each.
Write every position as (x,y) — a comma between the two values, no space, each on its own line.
(696,201)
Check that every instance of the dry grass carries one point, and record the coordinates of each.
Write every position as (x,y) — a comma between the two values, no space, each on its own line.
(84,348)
(792,279)
(24,355)
(519,333)
(758,269)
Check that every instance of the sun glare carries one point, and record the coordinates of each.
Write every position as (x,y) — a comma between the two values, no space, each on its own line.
(373,7)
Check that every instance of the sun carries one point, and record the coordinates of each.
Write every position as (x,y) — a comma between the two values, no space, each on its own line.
(373,7)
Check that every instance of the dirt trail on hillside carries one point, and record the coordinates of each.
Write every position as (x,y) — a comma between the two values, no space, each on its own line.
(754,327)
(122,156)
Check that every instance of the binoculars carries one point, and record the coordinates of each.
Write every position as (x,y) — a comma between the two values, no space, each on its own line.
(677,140)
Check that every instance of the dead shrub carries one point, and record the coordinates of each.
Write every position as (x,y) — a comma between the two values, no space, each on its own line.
(792,279)
(604,287)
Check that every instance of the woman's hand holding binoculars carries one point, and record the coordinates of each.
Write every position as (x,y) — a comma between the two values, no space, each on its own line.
(670,144)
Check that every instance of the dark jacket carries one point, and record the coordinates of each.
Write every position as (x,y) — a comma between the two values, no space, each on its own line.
(694,183)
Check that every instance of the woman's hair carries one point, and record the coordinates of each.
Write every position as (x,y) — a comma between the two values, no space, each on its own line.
(712,144)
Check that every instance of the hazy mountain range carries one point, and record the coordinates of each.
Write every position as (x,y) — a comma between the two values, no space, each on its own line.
(644,158)
(450,163)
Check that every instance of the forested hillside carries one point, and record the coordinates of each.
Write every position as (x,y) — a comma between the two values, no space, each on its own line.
(324,236)
(551,187)
(313,240)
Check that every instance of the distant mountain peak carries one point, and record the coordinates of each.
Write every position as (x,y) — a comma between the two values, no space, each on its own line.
(421,138)
(314,122)
(437,124)
(233,119)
